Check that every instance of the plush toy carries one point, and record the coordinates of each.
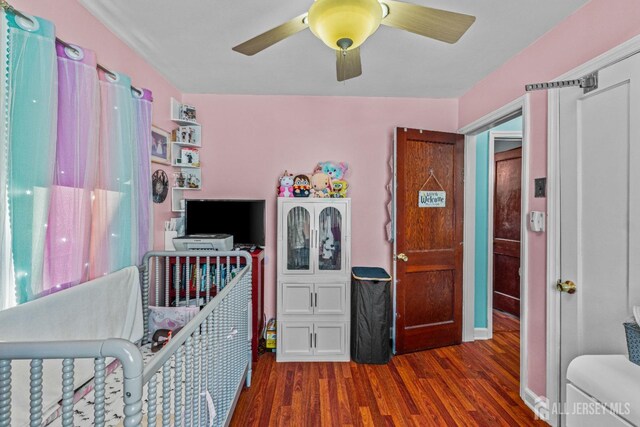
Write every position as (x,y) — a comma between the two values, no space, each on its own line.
(334,170)
(320,185)
(339,188)
(301,186)
(286,185)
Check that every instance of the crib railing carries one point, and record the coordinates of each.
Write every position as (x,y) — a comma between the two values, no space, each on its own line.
(194,380)
(69,351)
(213,352)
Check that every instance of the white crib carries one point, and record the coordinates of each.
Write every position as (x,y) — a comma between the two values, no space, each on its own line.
(195,379)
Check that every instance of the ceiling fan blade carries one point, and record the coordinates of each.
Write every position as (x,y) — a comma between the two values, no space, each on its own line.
(348,64)
(437,24)
(273,36)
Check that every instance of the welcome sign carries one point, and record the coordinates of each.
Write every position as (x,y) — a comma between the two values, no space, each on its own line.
(432,199)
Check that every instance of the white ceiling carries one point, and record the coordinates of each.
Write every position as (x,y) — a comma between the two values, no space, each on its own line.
(189,42)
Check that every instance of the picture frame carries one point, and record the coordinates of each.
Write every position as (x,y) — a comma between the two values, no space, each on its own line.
(160,146)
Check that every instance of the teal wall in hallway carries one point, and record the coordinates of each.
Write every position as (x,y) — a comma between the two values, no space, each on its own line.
(482,213)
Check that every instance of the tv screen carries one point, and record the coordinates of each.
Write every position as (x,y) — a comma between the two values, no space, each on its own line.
(243,219)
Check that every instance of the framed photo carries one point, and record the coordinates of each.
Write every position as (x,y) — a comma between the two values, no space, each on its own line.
(188,113)
(160,149)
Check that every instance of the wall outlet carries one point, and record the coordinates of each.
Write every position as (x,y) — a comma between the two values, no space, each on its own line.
(540,185)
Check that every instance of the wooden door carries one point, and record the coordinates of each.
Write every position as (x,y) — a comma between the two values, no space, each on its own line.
(506,231)
(599,211)
(429,282)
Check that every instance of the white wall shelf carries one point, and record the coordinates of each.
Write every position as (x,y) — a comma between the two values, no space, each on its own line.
(187,135)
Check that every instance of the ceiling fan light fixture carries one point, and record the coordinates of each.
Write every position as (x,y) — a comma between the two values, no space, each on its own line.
(334,21)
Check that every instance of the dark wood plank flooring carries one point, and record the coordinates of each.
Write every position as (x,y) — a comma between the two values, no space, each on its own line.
(473,384)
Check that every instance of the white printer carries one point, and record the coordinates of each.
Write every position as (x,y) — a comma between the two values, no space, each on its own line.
(204,242)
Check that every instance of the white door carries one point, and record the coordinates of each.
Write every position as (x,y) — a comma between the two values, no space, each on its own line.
(599,212)
(296,338)
(297,298)
(330,298)
(329,338)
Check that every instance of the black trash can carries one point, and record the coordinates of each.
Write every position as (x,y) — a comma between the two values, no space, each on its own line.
(370,315)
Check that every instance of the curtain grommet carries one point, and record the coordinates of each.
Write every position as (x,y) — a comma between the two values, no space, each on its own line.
(27,22)
(112,77)
(74,52)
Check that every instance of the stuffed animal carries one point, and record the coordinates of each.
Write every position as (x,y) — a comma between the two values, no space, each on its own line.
(301,186)
(334,170)
(320,185)
(286,185)
(339,188)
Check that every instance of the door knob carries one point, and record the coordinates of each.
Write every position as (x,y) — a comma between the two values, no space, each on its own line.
(402,257)
(567,286)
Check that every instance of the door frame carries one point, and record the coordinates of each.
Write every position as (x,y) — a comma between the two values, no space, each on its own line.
(610,57)
(517,107)
(493,135)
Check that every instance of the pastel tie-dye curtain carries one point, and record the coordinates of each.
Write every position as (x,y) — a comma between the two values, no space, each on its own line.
(75,191)
(142,112)
(114,230)
(76,168)
(31,149)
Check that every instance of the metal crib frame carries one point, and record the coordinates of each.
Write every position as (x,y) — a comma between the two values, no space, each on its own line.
(212,353)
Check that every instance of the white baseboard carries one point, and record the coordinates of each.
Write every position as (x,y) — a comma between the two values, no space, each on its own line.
(539,405)
(481,334)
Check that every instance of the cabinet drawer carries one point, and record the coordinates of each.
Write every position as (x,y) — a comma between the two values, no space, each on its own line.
(320,339)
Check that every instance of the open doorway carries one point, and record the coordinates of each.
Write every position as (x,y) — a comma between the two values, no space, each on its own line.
(495,253)
(504,222)
(498,225)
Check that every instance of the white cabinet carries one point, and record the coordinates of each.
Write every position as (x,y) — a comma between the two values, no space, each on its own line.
(309,298)
(312,341)
(314,267)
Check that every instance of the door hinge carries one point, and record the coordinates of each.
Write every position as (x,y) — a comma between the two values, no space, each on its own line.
(588,83)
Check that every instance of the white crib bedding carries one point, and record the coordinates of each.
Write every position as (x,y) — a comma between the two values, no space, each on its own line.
(114,406)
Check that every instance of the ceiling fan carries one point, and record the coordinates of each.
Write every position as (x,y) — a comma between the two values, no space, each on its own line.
(344,25)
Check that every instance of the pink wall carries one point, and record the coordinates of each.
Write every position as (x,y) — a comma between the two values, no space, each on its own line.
(592,30)
(74,24)
(251,140)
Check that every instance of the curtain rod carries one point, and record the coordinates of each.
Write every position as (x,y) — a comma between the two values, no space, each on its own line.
(6,6)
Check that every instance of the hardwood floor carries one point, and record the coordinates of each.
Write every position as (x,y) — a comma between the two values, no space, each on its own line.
(473,384)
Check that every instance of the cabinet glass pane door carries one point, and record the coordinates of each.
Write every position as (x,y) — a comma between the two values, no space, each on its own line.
(298,239)
(330,239)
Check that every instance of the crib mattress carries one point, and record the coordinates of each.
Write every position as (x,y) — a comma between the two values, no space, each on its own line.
(114,406)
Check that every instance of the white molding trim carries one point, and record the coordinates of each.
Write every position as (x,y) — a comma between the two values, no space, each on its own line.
(524,246)
(539,405)
(469,239)
(493,135)
(482,334)
(395,240)
(553,253)
(104,13)
(518,106)
(490,120)
(616,54)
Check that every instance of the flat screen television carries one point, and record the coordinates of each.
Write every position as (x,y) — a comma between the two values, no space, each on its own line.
(243,219)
